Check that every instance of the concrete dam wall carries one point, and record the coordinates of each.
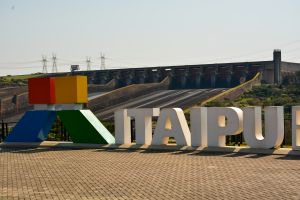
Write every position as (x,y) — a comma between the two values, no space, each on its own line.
(224,75)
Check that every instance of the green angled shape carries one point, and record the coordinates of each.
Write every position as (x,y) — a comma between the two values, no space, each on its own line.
(84,127)
(109,138)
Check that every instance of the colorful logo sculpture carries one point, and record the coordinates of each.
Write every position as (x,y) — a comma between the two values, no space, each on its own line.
(61,97)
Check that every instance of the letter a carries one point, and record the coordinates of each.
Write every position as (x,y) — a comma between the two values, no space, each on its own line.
(172,123)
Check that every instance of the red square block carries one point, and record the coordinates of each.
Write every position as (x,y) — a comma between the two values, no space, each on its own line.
(41,90)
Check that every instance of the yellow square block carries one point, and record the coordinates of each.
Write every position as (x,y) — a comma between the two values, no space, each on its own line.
(71,89)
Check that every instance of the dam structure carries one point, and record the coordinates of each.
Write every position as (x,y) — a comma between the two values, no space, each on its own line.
(196,76)
(180,86)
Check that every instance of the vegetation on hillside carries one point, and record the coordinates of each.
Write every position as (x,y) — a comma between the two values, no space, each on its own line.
(267,95)
(10,80)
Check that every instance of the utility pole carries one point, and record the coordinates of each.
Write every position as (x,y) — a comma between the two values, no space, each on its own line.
(88,63)
(102,56)
(44,61)
(54,66)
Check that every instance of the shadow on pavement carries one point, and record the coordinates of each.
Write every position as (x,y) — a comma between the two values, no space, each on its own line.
(227,154)
(116,150)
(258,155)
(289,157)
(33,149)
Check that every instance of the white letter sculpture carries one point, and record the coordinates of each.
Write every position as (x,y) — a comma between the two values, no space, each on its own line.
(296,127)
(199,126)
(222,122)
(122,127)
(274,127)
(143,123)
(172,123)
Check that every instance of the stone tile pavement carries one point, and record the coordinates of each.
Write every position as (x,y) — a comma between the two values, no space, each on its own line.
(49,173)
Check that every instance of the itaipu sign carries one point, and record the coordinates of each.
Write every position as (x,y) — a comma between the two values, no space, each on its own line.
(209,126)
(63,98)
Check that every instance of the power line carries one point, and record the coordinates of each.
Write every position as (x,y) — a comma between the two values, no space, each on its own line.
(102,57)
(17,63)
(124,62)
(295,50)
(88,63)
(289,43)
(294,57)
(282,46)
(72,61)
(54,66)
(44,61)
(290,48)
(20,67)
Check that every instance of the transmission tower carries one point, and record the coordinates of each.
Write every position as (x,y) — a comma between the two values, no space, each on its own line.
(44,61)
(102,56)
(88,63)
(54,66)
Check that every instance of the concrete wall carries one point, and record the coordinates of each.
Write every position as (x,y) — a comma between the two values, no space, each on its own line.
(9,91)
(267,75)
(290,67)
(187,76)
(195,76)
(13,100)
(236,91)
(13,105)
(126,93)
(111,85)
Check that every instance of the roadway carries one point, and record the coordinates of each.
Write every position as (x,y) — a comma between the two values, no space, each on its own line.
(161,99)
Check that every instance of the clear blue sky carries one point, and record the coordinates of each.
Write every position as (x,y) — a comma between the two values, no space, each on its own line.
(135,33)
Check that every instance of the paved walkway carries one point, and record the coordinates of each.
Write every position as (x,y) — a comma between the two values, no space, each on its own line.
(142,174)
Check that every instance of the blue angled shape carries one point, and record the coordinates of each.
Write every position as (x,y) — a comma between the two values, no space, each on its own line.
(34,126)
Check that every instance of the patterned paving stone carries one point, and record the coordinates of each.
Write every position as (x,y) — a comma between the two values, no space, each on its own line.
(122,174)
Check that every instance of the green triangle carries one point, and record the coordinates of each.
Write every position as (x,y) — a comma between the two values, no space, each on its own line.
(84,127)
